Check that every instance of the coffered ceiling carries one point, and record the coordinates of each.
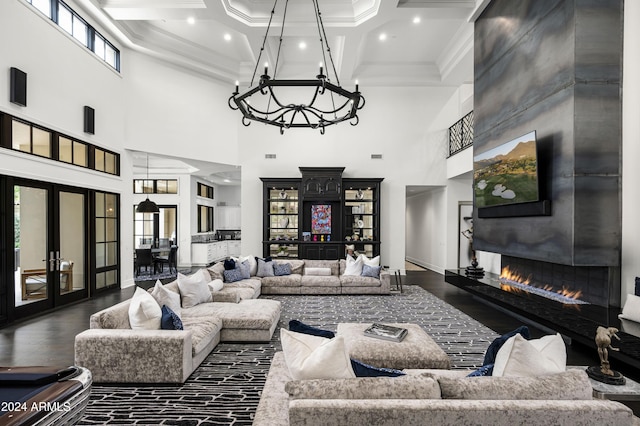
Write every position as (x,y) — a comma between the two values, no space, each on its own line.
(378,42)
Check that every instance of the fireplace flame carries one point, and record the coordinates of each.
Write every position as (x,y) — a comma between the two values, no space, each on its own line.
(515,282)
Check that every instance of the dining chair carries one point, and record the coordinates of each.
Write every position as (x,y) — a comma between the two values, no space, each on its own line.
(144,259)
(171,259)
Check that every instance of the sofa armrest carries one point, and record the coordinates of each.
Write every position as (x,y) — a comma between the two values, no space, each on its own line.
(385,281)
(227,294)
(135,356)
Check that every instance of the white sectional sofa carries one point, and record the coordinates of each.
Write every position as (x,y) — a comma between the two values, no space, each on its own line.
(306,278)
(115,353)
(444,397)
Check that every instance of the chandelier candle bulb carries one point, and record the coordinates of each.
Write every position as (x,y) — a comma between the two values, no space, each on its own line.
(237,86)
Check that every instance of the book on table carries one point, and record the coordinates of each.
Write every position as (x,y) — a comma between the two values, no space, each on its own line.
(386,332)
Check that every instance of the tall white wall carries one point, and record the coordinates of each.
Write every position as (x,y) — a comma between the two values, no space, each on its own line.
(630,150)
(425,235)
(394,123)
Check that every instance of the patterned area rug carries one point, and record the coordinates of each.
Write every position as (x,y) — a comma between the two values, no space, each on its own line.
(226,387)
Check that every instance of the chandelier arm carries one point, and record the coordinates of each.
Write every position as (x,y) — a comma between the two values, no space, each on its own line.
(273,95)
(246,122)
(324,33)
(363,102)
(232,98)
(264,41)
(357,120)
(334,111)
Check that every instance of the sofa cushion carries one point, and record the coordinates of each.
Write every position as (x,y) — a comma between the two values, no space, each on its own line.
(203,330)
(333,264)
(292,280)
(144,311)
(265,269)
(520,357)
(354,266)
(359,281)
(232,275)
(313,357)
(216,271)
(365,370)
(572,384)
(371,271)
(631,309)
(300,327)
(320,272)
(251,314)
(319,281)
(297,265)
(494,347)
(170,320)
(194,289)
(407,387)
(281,269)
(166,297)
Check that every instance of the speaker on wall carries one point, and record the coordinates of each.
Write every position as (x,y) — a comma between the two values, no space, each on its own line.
(89,120)
(18,91)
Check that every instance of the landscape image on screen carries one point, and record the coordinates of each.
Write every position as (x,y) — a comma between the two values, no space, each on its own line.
(321,219)
(507,174)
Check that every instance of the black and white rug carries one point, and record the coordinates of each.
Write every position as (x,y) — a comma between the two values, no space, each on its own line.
(226,387)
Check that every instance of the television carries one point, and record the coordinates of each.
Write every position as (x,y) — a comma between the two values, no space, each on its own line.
(321,219)
(507,174)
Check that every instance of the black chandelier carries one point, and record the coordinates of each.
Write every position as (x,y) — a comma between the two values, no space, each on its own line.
(328,103)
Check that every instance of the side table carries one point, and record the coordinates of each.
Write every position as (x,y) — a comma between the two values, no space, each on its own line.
(630,391)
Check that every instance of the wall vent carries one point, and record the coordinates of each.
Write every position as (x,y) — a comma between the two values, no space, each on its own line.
(269,156)
(376,156)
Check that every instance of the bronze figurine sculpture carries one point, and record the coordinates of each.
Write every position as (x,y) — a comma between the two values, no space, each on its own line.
(604,373)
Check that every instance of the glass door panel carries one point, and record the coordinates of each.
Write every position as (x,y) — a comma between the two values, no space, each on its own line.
(72,243)
(30,245)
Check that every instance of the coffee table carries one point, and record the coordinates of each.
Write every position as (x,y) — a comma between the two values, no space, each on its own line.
(417,350)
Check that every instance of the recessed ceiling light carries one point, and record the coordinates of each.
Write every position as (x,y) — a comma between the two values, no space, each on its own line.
(227,181)
(302,45)
(191,20)
(227,37)
(382,37)
(416,20)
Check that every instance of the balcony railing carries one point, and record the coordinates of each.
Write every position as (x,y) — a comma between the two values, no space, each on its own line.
(461,134)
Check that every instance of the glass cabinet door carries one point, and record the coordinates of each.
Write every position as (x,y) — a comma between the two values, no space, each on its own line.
(283,222)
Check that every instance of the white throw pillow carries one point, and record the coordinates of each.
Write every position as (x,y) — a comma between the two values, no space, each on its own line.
(144,311)
(354,266)
(313,357)
(322,272)
(536,357)
(631,309)
(169,298)
(370,262)
(194,289)
(216,285)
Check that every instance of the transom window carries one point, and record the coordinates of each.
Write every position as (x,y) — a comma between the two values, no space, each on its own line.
(205,190)
(155,186)
(70,21)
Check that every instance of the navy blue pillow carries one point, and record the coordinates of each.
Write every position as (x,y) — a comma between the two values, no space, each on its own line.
(229,264)
(485,370)
(298,327)
(494,347)
(365,370)
(170,320)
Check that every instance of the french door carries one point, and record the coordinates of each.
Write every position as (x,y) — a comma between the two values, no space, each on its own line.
(50,230)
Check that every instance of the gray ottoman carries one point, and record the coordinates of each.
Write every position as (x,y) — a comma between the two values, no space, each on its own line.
(417,350)
(252,320)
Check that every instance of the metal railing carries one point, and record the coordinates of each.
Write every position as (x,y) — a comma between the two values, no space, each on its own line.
(461,134)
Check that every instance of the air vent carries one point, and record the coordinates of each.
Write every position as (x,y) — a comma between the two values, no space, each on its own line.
(269,156)
(376,156)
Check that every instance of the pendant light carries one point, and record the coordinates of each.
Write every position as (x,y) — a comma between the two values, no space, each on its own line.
(147,206)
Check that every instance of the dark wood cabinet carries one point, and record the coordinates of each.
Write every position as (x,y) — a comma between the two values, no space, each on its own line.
(322,183)
(353,207)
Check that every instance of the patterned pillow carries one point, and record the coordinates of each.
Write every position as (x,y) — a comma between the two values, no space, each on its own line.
(280,269)
(170,320)
(265,269)
(233,275)
(371,271)
(245,269)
